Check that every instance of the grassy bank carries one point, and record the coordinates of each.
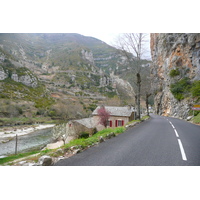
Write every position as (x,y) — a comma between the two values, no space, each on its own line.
(95,138)
(81,143)
(196,119)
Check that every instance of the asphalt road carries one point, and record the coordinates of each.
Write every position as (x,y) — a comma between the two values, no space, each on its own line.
(159,141)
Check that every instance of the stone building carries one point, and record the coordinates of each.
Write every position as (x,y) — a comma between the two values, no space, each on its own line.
(64,133)
(119,116)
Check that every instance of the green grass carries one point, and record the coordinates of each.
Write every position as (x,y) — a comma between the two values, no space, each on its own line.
(142,119)
(145,117)
(15,157)
(196,119)
(95,138)
(132,122)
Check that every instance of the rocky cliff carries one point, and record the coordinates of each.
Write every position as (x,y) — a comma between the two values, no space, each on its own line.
(175,72)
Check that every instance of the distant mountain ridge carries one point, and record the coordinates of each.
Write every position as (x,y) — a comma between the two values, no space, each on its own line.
(56,65)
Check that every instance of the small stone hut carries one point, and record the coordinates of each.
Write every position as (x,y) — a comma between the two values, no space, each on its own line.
(119,116)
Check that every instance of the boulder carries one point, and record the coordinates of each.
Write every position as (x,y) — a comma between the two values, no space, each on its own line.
(110,135)
(101,139)
(189,118)
(60,151)
(76,151)
(45,160)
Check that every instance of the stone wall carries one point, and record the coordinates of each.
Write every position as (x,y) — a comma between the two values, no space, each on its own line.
(173,51)
(70,131)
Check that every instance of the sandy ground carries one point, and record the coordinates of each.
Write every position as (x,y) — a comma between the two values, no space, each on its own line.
(10,132)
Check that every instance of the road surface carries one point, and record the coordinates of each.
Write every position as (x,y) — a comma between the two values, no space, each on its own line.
(159,141)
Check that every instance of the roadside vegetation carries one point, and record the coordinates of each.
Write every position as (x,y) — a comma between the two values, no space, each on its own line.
(79,143)
(82,143)
(196,118)
(185,88)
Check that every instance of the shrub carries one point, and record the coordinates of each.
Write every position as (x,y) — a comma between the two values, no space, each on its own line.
(84,135)
(52,113)
(195,90)
(174,72)
(181,88)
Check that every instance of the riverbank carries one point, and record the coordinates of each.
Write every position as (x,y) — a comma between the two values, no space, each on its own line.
(8,133)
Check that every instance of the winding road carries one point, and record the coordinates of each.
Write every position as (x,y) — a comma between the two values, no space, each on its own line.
(159,141)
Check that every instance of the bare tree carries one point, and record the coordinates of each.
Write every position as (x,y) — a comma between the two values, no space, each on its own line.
(146,88)
(132,46)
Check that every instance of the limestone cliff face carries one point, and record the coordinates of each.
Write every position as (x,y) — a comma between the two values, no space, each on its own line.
(175,51)
(17,74)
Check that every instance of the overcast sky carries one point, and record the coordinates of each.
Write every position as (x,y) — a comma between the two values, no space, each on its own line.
(110,38)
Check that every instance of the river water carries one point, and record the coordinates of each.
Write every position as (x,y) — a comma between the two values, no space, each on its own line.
(35,140)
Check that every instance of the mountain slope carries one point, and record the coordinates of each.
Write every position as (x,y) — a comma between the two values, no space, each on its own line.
(71,68)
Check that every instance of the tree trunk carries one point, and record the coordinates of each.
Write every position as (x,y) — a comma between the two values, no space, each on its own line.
(138,95)
(147,103)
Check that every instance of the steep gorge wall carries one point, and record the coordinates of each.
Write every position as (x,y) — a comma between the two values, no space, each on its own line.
(171,52)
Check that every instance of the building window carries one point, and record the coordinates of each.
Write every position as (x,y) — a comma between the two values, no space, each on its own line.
(119,123)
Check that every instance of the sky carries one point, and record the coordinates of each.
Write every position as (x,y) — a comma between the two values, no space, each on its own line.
(108,38)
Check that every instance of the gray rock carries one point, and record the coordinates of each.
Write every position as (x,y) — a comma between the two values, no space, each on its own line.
(76,151)
(73,148)
(60,151)
(110,135)
(45,160)
(101,139)
(3,75)
(189,118)
(22,162)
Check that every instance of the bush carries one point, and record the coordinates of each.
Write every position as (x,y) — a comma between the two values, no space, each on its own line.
(52,113)
(195,90)
(181,88)
(174,72)
(84,135)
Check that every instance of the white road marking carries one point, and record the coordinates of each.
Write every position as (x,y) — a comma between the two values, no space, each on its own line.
(174,129)
(179,142)
(182,150)
(176,133)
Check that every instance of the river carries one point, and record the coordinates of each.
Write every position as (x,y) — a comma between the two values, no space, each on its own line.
(35,140)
